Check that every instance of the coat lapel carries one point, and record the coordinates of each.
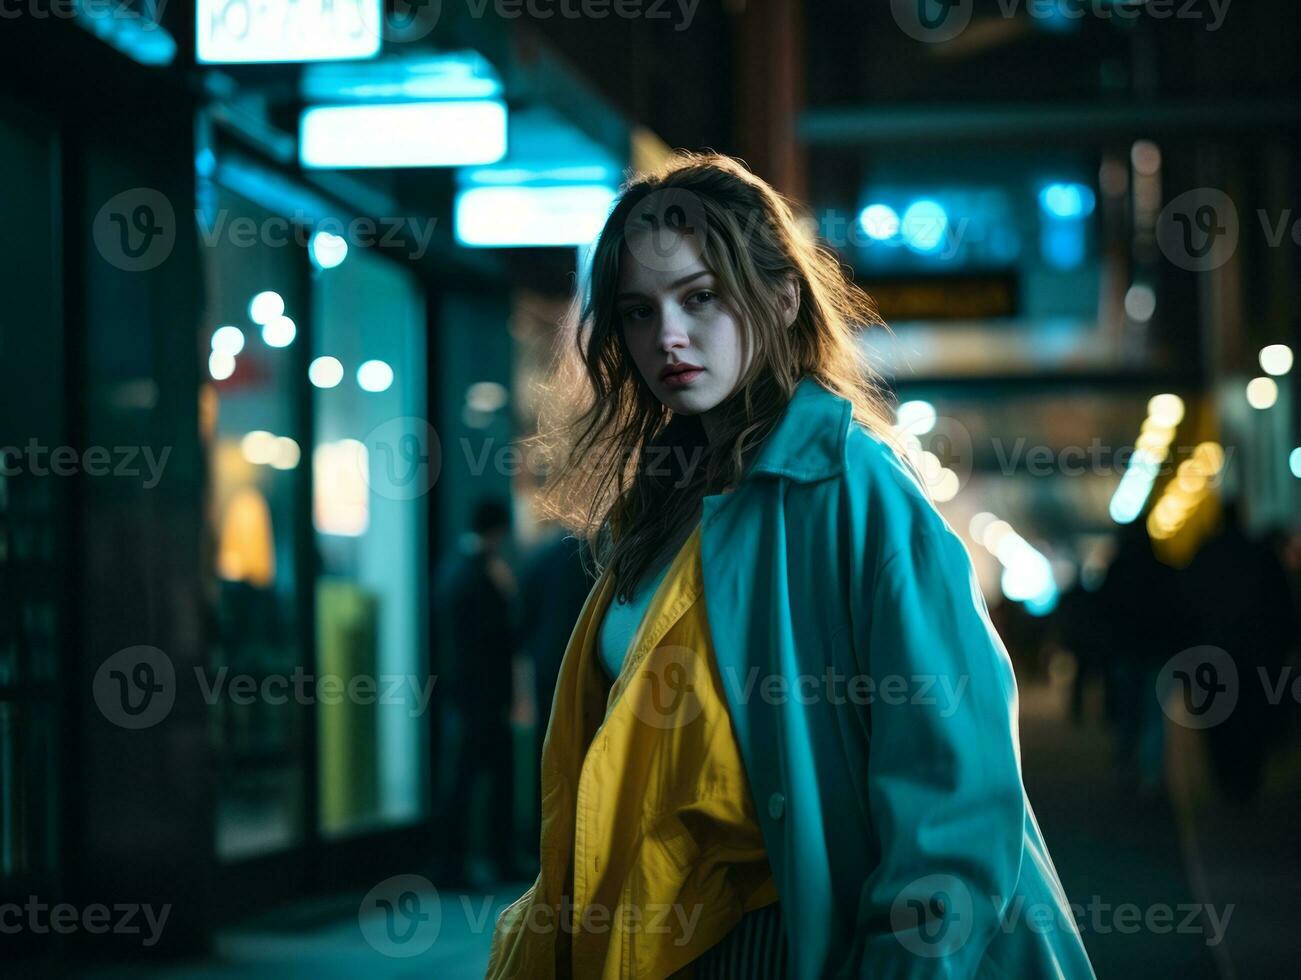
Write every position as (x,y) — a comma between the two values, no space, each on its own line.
(749,602)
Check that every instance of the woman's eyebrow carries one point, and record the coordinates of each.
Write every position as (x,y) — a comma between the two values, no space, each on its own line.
(673,285)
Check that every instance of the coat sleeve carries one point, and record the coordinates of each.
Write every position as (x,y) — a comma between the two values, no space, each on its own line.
(944,776)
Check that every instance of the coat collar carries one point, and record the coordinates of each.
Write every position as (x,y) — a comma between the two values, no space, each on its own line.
(808,442)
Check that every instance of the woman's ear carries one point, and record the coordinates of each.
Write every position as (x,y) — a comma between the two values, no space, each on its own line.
(789,297)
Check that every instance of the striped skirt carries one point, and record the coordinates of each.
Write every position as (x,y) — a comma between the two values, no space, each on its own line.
(754,949)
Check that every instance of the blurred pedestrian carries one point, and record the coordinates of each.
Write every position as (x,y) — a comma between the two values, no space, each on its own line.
(1243,606)
(1140,602)
(553,587)
(474,601)
(1081,630)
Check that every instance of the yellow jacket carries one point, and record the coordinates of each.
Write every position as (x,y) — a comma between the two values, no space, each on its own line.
(650,849)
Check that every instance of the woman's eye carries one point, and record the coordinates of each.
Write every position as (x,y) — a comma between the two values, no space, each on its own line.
(636,313)
(703,296)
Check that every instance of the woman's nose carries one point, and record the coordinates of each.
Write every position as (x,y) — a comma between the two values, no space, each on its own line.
(673,330)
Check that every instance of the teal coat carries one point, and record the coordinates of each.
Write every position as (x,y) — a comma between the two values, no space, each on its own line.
(876,712)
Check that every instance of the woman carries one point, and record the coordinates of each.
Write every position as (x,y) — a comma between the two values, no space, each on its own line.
(783,740)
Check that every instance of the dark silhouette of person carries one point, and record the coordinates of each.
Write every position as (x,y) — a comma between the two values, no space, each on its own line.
(553,587)
(1081,629)
(474,601)
(1243,606)
(1139,600)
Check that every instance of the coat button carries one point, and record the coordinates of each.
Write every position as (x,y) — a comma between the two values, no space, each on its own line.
(776,806)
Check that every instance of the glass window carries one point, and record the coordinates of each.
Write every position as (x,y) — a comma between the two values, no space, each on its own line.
(372,469)
(256,292)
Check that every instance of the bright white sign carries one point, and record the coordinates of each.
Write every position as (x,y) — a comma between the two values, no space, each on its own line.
(403,134)
(531,216)
(243,31)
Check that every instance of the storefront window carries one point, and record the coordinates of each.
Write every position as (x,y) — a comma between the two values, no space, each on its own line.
(371,478)
(256,293)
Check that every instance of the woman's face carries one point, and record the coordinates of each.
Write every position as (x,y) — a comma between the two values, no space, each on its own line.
(675,318)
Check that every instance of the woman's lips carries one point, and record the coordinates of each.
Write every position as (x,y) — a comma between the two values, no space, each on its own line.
(681,379)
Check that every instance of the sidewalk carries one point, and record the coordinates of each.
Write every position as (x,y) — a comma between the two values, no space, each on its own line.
(1187,848)
(1247,855)
(1112,849)
(327,939)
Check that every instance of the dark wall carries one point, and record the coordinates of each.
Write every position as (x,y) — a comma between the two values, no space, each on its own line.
(121,362)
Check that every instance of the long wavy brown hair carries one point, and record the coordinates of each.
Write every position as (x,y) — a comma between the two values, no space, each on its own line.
(623,471)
